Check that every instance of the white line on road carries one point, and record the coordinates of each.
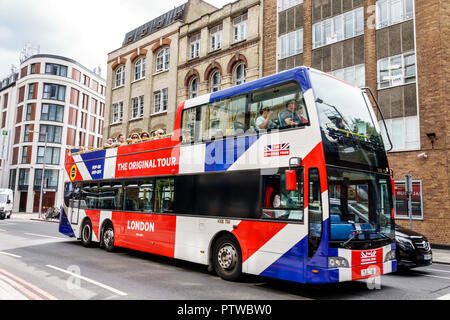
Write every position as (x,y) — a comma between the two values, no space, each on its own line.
(429,275)
(439,270)
(2,230)
(445,297)
(44,236)
(89,280)
(10,254)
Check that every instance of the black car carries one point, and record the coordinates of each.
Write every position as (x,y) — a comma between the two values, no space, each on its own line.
(412,248)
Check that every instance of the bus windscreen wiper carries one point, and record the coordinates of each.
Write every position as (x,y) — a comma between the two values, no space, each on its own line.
(355,233)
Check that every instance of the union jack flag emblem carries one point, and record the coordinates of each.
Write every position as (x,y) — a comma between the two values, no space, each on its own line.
(368,254)
(276,150)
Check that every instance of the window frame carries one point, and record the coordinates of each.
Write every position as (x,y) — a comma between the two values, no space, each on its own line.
(119,79)
(194,46)
(139,69)
(117,113)
(402,69)
(240,27)
(162,60)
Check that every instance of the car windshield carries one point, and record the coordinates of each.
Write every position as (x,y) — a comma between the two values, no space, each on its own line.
(350,134)
(360,205)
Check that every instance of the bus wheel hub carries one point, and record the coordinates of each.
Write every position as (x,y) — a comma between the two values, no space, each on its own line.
(227,257)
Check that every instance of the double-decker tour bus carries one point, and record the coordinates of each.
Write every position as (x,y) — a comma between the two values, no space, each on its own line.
(285,177)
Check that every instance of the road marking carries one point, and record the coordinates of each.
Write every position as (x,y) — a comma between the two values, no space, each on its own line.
(8,292)
(10,254)
(2,230)
(429,275)
(89,280)
(445,297)
(439,270)
(15,280)
(44,236)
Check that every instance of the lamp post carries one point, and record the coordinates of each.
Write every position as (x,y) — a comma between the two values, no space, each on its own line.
(43,170)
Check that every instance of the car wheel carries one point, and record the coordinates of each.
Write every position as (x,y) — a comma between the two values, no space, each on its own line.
(227,258)
(86,234)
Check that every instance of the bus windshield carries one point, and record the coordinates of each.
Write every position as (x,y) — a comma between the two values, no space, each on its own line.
(350,135)
(360,206)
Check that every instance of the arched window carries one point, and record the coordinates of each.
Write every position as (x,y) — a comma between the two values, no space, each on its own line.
(139,69)
(193,87)
(239,74)
(215,81)
(120,76)
(163,60)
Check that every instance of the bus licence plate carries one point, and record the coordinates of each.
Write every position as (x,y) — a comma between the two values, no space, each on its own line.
(368,272)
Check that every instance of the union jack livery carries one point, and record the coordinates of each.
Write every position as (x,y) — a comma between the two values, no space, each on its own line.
(244,190)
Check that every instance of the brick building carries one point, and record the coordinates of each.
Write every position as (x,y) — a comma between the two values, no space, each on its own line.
(141,95)
(221,49)
(398,48)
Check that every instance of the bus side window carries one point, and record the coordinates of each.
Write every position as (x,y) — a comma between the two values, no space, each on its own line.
(188,129)
(164,195)
(314,212)
(279,203)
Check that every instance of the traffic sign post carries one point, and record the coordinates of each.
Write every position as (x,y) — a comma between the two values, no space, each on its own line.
(408,189)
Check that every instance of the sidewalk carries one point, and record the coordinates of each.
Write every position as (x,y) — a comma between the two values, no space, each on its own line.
(439,255)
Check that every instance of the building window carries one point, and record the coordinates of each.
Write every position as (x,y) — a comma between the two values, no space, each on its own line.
(240,27)
(137,110)
(404,133)
(51,178)
(56,69)
(344,26)
(397,70)
(54,133)
(28,115)
(239,74)
(215,81)
(355,75)
(30,91)
(120,77)
(26,133)
(194,44)
(24,175)
(160,99)
(390,12)
(163,60)
(52,112)
(117,113)
(12,179)
(193,88)
(51,155)
(139,69)
(54,92)
(286,4)
(290,44)
(401,200)
(33,68)
(215,38)
(24,155)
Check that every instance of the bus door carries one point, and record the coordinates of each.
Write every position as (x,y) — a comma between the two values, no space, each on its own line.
(315,214)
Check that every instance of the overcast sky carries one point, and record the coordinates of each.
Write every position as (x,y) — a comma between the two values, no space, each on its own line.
(83,30)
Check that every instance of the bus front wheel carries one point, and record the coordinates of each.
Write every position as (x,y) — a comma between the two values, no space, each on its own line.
(227,258)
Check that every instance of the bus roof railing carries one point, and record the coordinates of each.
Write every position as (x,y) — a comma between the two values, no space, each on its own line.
(117,145)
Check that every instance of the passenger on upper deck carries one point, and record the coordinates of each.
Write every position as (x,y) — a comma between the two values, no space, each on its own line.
(120,140)
(289,117)
(109,143)
(134,137)
(145,135)
(264,121)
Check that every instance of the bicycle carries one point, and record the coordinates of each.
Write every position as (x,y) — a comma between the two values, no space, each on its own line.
(52,213)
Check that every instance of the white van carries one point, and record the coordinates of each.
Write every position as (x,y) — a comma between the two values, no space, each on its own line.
(6,203)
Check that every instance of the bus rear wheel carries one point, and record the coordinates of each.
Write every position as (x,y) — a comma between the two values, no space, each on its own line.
(86,234)
(227,258)
(108,237)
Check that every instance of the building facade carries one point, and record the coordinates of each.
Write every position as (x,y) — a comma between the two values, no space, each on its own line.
(221,49)
(142,74)
(398,48)
(57,103)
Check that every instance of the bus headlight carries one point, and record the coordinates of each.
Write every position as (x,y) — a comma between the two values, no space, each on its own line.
(390,256)
(337,262)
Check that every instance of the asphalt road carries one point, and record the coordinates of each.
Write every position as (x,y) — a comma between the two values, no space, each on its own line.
(36,262)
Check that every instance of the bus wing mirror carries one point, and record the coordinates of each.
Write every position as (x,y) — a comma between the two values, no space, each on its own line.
(291,180)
